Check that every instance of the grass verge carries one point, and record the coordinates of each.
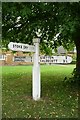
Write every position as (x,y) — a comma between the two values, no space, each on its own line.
(58,99)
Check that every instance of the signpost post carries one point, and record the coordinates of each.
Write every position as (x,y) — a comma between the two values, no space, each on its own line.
(36,71)
(36,67)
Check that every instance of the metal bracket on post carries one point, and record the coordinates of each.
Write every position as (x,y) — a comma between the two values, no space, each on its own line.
(36,85)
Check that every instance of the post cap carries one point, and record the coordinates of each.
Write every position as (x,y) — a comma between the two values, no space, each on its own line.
(36,40)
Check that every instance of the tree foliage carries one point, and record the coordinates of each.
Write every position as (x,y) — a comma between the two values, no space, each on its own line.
(22,20)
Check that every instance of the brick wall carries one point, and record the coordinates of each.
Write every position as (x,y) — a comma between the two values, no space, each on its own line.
(9,59)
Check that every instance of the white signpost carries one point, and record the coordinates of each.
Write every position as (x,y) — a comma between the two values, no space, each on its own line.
(21,47)
(36,71)
(19,59)
(36,67)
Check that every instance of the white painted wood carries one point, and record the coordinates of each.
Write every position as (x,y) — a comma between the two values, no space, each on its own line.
(21,47)
(36,85)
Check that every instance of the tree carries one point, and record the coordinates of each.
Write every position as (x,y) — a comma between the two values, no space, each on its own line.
(59,24)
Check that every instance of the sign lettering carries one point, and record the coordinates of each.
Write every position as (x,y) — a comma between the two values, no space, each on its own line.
(21,47)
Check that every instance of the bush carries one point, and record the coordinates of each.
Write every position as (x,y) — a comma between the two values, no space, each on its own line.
(75,77)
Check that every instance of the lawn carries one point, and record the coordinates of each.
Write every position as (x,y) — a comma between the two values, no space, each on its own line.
(58,99)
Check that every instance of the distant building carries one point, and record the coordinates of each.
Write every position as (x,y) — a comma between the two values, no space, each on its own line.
(61,50)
